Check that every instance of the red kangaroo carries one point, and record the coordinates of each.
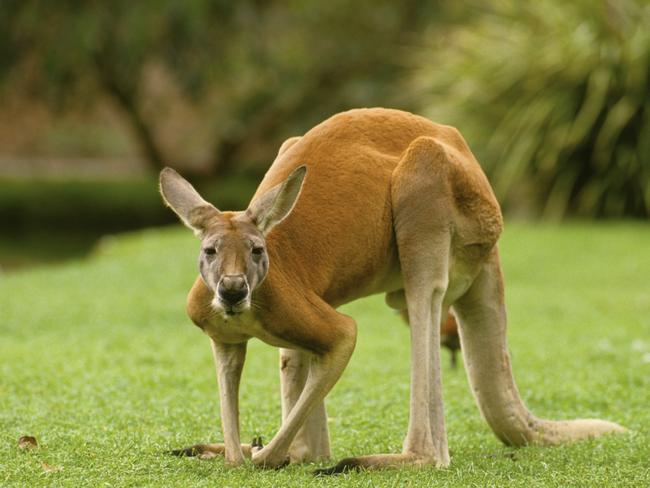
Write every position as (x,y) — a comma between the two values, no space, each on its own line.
(369,201)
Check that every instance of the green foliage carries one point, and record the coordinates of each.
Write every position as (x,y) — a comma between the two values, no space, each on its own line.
(248,74)
(102,366)
(30,205)
(107,206)
(555,98)
(48,220)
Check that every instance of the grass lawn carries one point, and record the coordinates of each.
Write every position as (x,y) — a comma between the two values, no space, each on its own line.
(100,363)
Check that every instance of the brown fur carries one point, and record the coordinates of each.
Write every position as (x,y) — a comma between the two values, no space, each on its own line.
(391,203)
(449,337)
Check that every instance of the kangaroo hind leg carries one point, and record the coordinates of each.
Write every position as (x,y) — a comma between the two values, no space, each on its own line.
(420,198)
(483,335)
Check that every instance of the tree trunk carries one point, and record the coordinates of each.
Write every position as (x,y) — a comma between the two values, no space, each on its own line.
(126,100)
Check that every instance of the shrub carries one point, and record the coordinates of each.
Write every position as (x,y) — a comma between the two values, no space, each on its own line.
(554,98)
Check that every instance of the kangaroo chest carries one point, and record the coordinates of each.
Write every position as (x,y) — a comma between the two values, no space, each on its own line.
(240,328)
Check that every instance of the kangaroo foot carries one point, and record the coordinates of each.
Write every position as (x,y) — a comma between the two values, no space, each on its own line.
(376,461)
(209,451)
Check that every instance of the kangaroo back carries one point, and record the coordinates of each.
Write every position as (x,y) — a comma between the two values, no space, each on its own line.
(340,234)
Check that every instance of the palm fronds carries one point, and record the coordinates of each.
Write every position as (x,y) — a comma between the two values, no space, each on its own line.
(554,97)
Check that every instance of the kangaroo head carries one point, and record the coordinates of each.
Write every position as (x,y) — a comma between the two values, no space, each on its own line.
(233,260)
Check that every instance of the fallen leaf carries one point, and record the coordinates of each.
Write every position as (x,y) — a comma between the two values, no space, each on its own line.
(27,442)
(51,469)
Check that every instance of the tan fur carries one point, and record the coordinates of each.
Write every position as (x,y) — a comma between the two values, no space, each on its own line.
(449,337)
(391,203)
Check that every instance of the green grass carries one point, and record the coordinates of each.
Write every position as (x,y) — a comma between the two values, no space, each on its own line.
(99,362)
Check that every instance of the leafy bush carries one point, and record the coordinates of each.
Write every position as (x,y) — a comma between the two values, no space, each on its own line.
(107,206)
(554,97)
(209,86)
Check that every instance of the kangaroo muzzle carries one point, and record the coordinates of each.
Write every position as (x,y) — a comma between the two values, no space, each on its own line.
(232,289)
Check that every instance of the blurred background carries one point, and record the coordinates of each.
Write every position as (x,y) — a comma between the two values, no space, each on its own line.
(96,97)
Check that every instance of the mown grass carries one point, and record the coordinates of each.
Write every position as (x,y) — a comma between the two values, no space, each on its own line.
(99,362)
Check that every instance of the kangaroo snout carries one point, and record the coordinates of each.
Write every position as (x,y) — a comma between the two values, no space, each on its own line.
(232,289)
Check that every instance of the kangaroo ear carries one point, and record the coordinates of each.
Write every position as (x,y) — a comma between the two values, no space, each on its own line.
(185,201)
(271,208)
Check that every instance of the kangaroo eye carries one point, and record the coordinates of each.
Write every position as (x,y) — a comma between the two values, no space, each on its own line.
(210,251)
(258,251)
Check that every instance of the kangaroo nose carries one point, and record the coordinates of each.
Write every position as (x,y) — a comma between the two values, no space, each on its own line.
(233,288)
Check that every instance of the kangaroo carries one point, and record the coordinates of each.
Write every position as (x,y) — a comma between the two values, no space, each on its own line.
(449,337)
(369,201)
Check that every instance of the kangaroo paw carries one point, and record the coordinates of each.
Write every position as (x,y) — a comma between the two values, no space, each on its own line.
(193,451)
(343,466)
